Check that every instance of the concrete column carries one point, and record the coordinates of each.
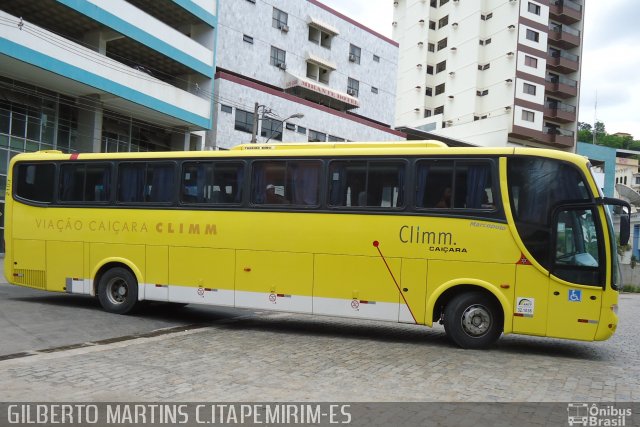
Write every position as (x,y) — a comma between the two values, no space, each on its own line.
(181,141)
(89,124)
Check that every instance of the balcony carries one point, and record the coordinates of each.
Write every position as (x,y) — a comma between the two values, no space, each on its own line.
(558,137)
(564,36)
(559,111)
(562,61)
(561,87)
(551,136)
(565,11)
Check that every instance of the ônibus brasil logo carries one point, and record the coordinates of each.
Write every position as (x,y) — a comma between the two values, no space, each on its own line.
(583,414)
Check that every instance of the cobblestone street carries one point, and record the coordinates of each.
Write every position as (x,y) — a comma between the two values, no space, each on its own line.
(287,357)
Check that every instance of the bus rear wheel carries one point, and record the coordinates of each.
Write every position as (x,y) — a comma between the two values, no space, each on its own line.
(473,320)
(118,291)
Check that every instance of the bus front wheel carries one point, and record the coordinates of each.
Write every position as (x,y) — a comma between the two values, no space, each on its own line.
(118,291)
(473,320)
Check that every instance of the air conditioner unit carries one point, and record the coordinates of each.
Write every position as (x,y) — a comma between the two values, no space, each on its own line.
(352,57)
(351,92)
(282,65)
(284,28)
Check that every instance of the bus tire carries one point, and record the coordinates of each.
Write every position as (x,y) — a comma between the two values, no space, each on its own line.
(473,320)
(118,291)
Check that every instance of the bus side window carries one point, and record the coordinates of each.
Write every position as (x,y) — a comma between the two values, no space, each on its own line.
(160,184)
(366,184)
(85,182)
(131,182)
(445,184)
(291,182)
(434,184)
(35,181)
(210,182)
(146,182)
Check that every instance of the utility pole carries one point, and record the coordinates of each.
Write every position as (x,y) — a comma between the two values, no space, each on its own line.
(254,130)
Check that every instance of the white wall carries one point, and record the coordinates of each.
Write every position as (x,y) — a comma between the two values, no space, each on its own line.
(238,18)
(241,96)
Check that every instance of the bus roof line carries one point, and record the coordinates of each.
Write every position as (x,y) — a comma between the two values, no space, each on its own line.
(326,145)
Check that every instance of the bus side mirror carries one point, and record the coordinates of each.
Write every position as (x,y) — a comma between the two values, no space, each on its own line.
(625,229)
(624,209)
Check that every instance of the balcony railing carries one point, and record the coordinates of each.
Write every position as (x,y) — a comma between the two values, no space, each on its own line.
(562,80)
(563,54)
(552,130)
(567,3)
(564,29)
(560,106)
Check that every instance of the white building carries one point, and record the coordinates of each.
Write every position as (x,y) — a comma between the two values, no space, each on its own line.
(490,72)
(295,57)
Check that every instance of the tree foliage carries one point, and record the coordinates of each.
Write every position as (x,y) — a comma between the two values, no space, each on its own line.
(585,134)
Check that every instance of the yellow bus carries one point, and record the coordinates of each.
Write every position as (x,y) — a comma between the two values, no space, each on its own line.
(484,240)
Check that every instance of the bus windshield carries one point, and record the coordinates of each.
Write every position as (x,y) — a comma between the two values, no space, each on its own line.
(536,187)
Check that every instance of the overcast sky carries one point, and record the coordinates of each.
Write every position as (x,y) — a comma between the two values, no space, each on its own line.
(610,63)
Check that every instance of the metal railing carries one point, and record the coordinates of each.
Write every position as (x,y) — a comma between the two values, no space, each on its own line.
(563,54)
(560,106)
(552,130)
(562,80)
(568,3)
(564,29)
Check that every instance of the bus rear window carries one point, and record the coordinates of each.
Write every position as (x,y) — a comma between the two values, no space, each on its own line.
(35,181)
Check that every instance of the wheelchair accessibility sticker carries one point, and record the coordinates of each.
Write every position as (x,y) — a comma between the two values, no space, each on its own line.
(575,295)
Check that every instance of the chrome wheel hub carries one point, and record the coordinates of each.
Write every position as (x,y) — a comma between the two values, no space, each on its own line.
(117,291)
(476,321)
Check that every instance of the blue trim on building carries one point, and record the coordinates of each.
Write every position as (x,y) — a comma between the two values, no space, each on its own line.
(64,69)
(606,155)
(199,12)
(213,81)
(130,30)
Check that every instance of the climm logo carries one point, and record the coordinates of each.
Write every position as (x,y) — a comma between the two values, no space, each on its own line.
(438,241)
(413,234)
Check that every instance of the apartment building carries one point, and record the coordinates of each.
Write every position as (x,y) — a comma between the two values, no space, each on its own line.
(490,72)
(90,75)
(298,71)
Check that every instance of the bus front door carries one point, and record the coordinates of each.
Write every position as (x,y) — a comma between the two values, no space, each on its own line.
(577,274)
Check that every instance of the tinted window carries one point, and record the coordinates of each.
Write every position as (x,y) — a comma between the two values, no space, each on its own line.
(448,184)
(366,183)
(85,182)
(279,182)
(146,182)
(536,187)
(212,182)
(577,253)
(35,181)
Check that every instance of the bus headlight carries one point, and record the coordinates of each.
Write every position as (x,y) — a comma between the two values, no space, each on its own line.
(614,308)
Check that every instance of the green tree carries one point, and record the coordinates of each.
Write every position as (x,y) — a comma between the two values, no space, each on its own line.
(585,132)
